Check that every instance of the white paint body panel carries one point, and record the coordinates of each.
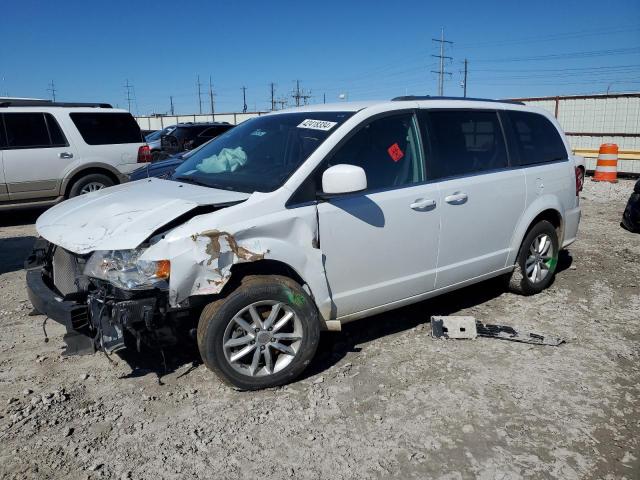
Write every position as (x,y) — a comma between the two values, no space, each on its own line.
(358,254)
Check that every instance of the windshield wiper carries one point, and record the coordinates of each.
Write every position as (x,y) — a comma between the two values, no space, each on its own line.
(191,180)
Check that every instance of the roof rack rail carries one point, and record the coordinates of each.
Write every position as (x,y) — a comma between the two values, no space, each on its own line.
(9,102)
(429,97)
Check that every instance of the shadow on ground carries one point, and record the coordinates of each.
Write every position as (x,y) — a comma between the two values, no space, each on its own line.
(26,216)
(13,253)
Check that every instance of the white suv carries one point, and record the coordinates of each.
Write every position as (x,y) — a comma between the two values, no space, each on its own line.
(303,220)
(52,151)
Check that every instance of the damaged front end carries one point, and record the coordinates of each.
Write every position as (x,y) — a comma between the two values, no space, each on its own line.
(97,314)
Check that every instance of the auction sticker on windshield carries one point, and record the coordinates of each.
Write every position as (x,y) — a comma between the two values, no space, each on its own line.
(317,124)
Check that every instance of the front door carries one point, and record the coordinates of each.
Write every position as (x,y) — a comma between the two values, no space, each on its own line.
(36,157)
(381,245)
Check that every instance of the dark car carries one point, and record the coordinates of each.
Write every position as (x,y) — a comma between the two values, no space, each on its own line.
(187,136)
(631,215)
(162,168)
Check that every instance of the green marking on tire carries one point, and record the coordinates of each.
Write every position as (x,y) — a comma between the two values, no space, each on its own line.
(295,298)
(551,263)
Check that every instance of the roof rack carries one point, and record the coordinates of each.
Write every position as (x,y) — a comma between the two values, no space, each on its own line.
(429,97)
(10,102)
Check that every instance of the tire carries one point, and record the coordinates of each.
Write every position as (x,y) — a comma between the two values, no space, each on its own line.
(91,182)
(221,337)
(541,268)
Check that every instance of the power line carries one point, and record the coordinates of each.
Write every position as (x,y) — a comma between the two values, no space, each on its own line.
(441,73)
(572,55)
(52,89)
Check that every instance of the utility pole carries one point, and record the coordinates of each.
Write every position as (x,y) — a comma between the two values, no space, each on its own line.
(300,94)
(213,110)
(273,96)
(324,98)
(441,73)
(282,102)
(52,89)
(128,86)
(244,99)
(171,103)
(199,95)
(464,82)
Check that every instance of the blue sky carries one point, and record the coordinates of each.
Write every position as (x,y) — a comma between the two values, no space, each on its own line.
(366,49)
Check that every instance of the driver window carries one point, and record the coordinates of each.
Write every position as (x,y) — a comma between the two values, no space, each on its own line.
(387,149)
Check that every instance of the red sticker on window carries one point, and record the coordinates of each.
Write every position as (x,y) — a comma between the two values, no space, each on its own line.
(395,152)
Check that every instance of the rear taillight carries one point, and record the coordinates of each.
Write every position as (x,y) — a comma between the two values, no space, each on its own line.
(144,154)
(579,180)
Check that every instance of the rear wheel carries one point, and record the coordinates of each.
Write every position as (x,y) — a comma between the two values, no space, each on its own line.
(263,334)
(537,260)
(89,183)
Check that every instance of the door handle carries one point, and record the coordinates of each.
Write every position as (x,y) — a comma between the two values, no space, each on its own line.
(423,204)
(456,198)
(65,155)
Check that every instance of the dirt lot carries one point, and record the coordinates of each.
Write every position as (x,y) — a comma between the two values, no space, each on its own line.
(382,399)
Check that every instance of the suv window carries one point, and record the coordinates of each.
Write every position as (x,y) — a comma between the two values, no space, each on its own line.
(107,128)
(463,142)
(213,132)
(388,151)
(57,137)
(26,130)
(538,141)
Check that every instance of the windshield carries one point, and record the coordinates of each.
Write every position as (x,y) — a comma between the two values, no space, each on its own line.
(261,153)
(152,137)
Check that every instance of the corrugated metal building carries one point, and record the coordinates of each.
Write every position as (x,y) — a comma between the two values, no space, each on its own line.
(591,120)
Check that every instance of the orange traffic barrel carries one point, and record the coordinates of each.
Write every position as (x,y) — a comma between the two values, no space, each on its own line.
(607,166)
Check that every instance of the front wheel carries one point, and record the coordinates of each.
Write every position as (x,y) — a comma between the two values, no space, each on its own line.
(537,260)
(263,334)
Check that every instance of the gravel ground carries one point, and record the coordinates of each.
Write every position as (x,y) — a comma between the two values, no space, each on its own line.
(382,399)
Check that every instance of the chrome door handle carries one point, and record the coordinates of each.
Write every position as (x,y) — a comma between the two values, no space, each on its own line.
(456,198)
(423,203)
(65,155)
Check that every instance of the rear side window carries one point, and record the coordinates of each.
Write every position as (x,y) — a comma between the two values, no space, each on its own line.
(107,128)
(463,142)
(57,137)
(537,140)
(26,130)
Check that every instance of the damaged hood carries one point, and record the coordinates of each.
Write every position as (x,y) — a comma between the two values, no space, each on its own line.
(124,216)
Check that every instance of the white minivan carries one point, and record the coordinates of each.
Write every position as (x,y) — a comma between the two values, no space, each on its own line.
(50,151)
(305,219)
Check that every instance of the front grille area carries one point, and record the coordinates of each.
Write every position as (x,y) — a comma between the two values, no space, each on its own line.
(66,269)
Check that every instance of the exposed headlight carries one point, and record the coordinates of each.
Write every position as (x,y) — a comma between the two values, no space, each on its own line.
(124,269)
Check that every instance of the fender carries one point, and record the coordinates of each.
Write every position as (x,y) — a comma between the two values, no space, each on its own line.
(201,262)
(542,203)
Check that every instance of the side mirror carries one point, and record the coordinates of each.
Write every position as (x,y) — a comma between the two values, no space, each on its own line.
(343,178)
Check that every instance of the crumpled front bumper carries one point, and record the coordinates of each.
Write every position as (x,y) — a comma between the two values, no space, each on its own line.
(97,318)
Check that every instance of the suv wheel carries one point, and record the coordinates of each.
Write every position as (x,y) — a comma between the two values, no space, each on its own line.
(537,260)
(89,183)
(261,335)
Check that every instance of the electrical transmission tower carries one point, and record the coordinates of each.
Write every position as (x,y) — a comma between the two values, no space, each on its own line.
(211,101)
(128,87)
(273,96)
(52,89)
(199,85)
(441,73)
(300,94)
(244,99)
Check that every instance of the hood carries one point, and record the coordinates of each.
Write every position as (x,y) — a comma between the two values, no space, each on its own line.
(124,216)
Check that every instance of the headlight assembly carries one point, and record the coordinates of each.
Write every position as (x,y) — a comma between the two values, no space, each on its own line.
(124,269)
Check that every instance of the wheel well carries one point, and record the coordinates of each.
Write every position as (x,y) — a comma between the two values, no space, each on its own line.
(89,171)
(551,216)
(260,267)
